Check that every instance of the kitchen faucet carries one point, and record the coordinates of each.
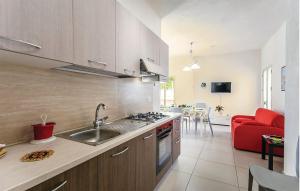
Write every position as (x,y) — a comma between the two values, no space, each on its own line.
(99,121)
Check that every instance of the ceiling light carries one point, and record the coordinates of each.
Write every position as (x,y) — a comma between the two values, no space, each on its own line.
(195,66)
(187,68)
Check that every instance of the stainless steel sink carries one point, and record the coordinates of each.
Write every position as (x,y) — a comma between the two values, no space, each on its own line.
(90,136)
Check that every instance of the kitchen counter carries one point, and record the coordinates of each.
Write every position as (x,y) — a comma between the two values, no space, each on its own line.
(16,175)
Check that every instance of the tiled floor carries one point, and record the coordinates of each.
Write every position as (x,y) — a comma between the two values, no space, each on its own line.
(210,163)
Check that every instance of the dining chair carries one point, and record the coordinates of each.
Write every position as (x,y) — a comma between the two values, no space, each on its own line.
(197,118)
(184,118)
(269,180)
(206,120)
(200,106)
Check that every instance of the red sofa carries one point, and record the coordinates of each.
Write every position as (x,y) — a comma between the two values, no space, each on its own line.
(247,130)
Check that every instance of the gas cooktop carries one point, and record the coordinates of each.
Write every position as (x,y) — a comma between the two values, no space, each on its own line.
(148,117)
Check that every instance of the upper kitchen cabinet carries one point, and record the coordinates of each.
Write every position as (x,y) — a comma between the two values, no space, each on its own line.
(95,33)
(41,28)
(164,58)
(128,44)
(154,51)
(150,44)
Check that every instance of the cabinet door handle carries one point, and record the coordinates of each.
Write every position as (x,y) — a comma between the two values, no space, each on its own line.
(97,62)
(119,153)
(126,71)
(149,136)
(178,141)
(60,186)
(151,60)
(129,72)
(21,42)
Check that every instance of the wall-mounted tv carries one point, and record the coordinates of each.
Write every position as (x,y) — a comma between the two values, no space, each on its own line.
(221,87)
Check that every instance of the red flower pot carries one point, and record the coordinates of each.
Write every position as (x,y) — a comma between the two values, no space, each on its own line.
(43,131)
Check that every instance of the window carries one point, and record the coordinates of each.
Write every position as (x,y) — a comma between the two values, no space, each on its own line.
(167,93)
(267,88)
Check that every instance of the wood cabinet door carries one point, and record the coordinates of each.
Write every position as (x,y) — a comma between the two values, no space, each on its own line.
(164,58)
(37,27)
(116,168)
(59,182)
(146,162)
(150,49)
(176,128)
(94,33)
(128,43)
(176,138)
(83,177)
(176,149)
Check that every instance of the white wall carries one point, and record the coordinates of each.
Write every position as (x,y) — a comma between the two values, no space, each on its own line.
(273,55)
(143,11)
(183,81)
(242,69)
(291,130)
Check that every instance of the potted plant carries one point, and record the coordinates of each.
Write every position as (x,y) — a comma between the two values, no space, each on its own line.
(219,109)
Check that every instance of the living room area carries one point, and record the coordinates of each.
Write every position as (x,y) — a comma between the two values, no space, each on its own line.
(236,82)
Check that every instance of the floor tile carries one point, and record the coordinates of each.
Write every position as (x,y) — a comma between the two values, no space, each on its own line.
(216,146)
(191,151)
(245,162)
(191,142)
(210,163)
(216,171)
(185,164)
(202,184)
(173,181)
(240,153)
(217,156)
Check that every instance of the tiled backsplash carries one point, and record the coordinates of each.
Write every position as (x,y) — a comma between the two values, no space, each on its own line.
(69,99)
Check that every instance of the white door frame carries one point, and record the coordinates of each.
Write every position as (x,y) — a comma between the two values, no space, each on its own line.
(267,87)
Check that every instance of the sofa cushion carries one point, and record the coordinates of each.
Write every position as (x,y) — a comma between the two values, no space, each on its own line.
(241,120)
(270,118)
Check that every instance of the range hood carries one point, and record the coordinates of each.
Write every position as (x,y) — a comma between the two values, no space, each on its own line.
(148,74)
(92,71)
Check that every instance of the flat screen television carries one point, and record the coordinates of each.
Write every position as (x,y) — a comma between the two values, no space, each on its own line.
(221,87)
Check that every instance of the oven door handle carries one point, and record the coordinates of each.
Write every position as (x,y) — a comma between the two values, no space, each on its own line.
(164,132)
(164,135)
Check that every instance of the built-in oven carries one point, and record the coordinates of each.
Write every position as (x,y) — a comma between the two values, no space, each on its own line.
(164,145)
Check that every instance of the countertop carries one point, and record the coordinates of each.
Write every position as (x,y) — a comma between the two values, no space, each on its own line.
(16,175)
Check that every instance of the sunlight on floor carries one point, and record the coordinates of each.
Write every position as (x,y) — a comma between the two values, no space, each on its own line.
(210,163)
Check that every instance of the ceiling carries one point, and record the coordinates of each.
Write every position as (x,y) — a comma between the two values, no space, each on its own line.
(218,26)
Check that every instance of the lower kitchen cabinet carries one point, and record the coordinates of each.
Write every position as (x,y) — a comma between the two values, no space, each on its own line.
(83,177)
(116,168)
(130,166)
(80,178)
(58,183)
(146,162)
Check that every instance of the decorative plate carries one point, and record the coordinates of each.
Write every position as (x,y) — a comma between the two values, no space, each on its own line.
(37,156)
(2,152)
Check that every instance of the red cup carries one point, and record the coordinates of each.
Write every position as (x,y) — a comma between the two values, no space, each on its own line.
(43,131)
